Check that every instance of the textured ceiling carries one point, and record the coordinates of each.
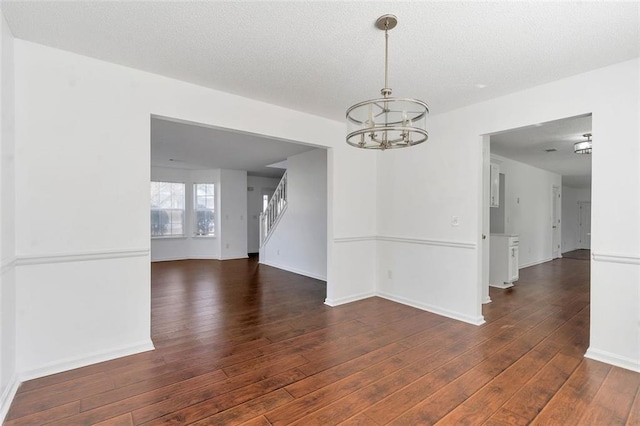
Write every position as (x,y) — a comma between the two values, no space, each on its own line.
(321,57)
(529,144)
(184,145)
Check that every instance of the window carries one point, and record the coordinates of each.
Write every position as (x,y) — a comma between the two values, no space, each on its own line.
(167,209)
(204,205)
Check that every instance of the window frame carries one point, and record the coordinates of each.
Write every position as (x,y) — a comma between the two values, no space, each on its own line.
(213,210)
(172,210)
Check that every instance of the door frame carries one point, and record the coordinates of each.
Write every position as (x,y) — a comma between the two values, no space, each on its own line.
(556,222)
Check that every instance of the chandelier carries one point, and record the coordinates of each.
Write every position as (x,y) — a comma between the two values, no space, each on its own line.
(583,147)
(387,122)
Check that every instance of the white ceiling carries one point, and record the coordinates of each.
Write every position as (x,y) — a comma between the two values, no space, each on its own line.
(185,145)
(529,144)
(322,56)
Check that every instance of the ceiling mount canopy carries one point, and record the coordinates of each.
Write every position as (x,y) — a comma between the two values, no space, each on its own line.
(387,122)
(583,147)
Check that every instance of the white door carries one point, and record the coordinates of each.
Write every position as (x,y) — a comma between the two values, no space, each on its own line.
(584,225)
(555,222)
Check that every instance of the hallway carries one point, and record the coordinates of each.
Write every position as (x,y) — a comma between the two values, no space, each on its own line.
(240,342)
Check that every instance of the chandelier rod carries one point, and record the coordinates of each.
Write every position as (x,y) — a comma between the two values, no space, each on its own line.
(386,54)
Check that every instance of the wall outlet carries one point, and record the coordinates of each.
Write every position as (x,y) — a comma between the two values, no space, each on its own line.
(455,221)
(389,274)
(227,245)
(278,252)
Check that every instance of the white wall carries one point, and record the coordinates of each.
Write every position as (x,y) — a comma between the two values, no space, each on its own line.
(351,224)
(422,188)
(82,138)
(424,260)
(258,185)
(8,379)
(233,214)
(90,115)
(528,209)
(299,241)
(189,246)
(571,216)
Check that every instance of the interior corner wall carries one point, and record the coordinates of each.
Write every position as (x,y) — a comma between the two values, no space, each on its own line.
(427,218)
(233,214)
(90,258)
(8,378)
(256,187)
(299,241)
(352,223)
(528,209)
(188,246)
(421,190)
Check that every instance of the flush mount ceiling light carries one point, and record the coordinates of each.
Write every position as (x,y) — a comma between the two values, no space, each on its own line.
(387,122)
(583,147)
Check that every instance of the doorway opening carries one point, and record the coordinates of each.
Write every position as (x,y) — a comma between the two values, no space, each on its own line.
(535,190)
(242,169)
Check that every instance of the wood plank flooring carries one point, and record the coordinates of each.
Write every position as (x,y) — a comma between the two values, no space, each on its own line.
(242,343)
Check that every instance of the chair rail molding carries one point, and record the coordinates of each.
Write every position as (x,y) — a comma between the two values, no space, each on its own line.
(428,242)
(404,240)
(80,256)
(7,264)
(616,258)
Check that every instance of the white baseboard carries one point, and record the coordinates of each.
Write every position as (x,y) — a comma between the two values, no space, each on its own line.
(534,263)
(7,396)
(449,314)
(68,364)
(234,256)
(503,285)
(349,299)
(84,360)
(295,270)
(613,359)
(174,259)
(479,320)
(168,259)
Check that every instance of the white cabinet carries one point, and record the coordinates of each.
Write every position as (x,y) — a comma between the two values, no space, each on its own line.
(503,266)
(513,273)
(495,186)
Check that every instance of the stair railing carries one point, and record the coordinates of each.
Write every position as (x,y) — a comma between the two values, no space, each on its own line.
(277,205)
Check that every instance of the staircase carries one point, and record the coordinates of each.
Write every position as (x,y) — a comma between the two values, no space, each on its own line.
(277,205)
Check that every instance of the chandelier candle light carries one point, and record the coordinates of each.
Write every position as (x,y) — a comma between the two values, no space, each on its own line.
(387,122)
(583,147)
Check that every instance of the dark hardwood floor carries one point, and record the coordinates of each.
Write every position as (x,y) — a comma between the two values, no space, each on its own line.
(581,254)
(242,343)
